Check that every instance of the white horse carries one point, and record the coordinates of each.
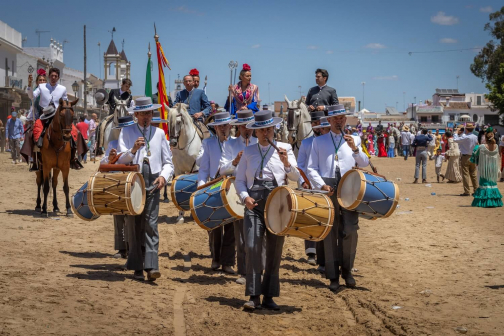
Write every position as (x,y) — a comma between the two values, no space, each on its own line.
(121,110)
(185,142)
(298,123)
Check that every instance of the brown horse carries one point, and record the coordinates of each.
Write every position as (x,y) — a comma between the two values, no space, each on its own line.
(56,153)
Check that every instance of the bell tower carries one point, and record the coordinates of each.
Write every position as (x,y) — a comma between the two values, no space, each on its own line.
(111,63)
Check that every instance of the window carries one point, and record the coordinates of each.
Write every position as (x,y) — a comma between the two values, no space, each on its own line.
(452,117)
(423,119)
(112,69)
(435,119)
(492,119)
(475,117)
(478,100)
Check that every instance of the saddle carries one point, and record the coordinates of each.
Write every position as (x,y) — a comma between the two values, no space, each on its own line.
(201,129)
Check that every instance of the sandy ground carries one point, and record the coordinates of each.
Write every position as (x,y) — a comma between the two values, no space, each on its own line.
(437,258)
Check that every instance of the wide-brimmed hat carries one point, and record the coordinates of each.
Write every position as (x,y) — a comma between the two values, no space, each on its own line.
(243,117)
(405,128)
(316,115)
(323,123)
(48,112)
(101,97)
(221,118)
(156,118)
(263,119)
(336,110)
(124,122)
(469,126)
(143,104)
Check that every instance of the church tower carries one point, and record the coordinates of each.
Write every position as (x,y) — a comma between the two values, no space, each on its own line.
(117,67)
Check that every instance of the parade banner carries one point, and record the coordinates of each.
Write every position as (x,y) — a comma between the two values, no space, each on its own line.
(162,96)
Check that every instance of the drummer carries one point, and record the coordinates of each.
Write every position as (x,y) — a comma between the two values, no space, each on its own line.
(222,240)
(302,162)
(146,146)
(332,155)
(261,169)
(109,157)
(231,156)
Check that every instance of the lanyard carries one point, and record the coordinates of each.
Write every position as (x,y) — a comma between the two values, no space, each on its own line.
(262,158)
(220,146)
(339,145)
(146,140)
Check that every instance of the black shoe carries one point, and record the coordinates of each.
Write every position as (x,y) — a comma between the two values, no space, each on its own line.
(416,181)
(311,259)
(334,286)
(349,281)
(268,303)
(321,269)
(120,254)
(465,194)
(253,304)
(138,275)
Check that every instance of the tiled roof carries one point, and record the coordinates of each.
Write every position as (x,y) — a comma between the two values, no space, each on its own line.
(123,56)
(112,50)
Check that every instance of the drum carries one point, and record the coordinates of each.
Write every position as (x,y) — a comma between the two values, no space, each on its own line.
(117,193)
(217,204)
(80,204)
(303,214)
(367,193)
(182,188)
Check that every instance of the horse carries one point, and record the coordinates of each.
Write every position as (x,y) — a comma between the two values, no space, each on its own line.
(108,124)
(185,142)
(56,152)
(283,132)
(298,123)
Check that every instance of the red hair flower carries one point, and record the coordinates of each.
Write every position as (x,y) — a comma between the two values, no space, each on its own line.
(194,72)
(41,72)
(246,67)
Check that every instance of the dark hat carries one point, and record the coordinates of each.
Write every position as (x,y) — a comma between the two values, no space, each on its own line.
(323,123)
(101,97)
(156,118)
(222,118)
(316,115)
(243,117)
(124,122)
(336,110)
(263,119)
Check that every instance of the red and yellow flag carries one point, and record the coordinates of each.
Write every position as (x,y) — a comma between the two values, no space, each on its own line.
(162,96)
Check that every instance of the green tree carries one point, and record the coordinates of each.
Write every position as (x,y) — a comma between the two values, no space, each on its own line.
(496,89)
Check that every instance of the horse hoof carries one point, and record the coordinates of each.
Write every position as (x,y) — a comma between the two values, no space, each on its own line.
(69,213)
(166,200)
(38,209)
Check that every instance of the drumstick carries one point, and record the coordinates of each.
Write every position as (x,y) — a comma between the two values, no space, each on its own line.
(154,187)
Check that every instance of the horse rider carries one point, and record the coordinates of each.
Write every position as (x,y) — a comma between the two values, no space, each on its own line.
(222,239)
(122,94)
(231,157)
(302,163)
(261,169)
(145,145)
(196,78)
(321,96)
(332,155)
(199,106)
(50,94)
(155,97)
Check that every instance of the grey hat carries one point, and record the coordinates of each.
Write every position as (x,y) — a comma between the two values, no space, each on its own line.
(323,123)
(124,122)
(221,118)
(48,112)
(156,119)
(101,97)
(316,115)
(336,110)
(143,104)
(263,119)
(243,117)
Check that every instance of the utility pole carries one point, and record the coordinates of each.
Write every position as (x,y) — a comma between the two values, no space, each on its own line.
(85,74)
(99,57)
(38,32)
(457,81)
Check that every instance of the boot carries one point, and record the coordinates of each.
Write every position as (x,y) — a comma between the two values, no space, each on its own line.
(438,179)
(416,181)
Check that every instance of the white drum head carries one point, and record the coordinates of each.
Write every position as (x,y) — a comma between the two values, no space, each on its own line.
(137,194)
(234,201)
(350,188)
(279,210)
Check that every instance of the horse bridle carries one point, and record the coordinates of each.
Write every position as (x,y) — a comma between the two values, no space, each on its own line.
(178,135)
(295,127)
(63,130)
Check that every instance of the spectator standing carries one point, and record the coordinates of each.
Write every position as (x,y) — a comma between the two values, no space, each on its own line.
(420,143)
(14,135)
(405,141)
(83,128)
(467,141)
(92,134)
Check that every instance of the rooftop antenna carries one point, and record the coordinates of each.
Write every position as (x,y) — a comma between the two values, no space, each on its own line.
(24,41)
(123,44)
(112,32)
(65,41)
(38,32)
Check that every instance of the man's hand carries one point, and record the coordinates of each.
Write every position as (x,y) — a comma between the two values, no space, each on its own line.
(311,108)
(30,80)
(197,115)
(244,108)
(321,108)
(284,158)
(237,159)
(350,141)
(138,143)
(330,190)
(250,203)
(112,155)
(160,181)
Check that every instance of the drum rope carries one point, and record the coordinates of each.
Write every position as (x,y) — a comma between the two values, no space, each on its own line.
(214,209)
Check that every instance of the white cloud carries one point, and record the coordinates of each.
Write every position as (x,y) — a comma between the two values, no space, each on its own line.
(329,52)
(184,9)
(445,20)
(312,47)
(447,40)
(255,46)
(487,9)
(394,77)
(375,46)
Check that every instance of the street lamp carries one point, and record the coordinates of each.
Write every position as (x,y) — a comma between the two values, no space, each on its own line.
(75,88)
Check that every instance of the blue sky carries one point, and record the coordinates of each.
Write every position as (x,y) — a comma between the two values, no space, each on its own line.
(283,41)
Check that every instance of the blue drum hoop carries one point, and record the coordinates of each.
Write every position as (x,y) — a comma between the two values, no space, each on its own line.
(224,188)
(76,209)
(172,192)
(362,192)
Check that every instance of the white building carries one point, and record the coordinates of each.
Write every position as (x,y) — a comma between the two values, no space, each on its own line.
(117,67)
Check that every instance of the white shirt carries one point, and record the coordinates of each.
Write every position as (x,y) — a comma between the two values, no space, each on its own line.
(466,142)
(211,153)
(321,161)
(231,150)
(48,93)
(412,138)
(250,163)
(405,138)
(439,160)
(303,155)
(160,160)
